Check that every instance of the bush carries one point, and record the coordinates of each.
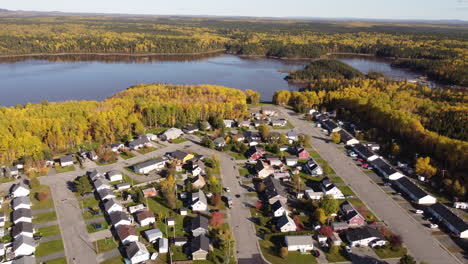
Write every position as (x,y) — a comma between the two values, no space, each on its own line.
(284,252)
(34,183)
(42,196)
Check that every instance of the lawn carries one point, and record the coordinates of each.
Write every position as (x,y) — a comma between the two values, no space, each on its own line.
(386,252)
(49,231)
(156,207)
(36,204)
(146,150)
(44,217)
(116,260)
(336,179)
(127,155)
(156,130)
(50,247)
(127,178)
(6,179)
(178,254)
(238,156)
(57,261)
(270,252)
(91,228)
(59,169)
(243,172)
(314,154)
(346,190)
(178,140)
(105,244)
(341,256)
(252,194)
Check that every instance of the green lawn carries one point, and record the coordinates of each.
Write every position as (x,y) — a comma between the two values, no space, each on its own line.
(243,172)
(238,156)
(336,179)
(127,155)
(90,203)
(156,130)
(156,207)
(49,231)
(6,179)
(91,229)
(178,140)
(50,247)
(178,254)
(314,154)
(346,190)
(252,194)
(127,178)
(105,244)
(57,261)
(146,150)
(44,217)
(116,260)
(270,252)
(341,256)
(386,252)
(36,204)
(60,169)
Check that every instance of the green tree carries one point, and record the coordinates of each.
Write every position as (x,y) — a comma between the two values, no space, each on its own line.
(34,183)
(407,259)
(335,137)
(424,168)
(298,184)
(207,142)
(319,215)
(264,131)
(82,185)
(329,205)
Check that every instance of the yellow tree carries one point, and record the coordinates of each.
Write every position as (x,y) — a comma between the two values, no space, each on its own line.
(424,168)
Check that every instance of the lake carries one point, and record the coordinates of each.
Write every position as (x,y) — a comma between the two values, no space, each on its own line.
(59,78)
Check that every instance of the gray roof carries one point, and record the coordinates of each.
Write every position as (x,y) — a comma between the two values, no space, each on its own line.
(199,196)
(361,233)
(156,232)
(412,187)
(105,192)
(274,187)
(20,200)
(363,150)
(25,260)
(100,182)
(17,214)
(20,240)
(384,166)
(66,158)
(450,217)
(148,163)
(283,220)
(200,242)
(141,140)
(94,173)
(116,217)
(277,205)
(113,173)
(299,240)
(21,227)
(200,222)
(20,185)
(134,248)
(109,203)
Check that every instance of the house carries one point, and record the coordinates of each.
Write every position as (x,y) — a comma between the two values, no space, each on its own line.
(181,156)
(145,217)
(269,111)
(460,205)
(119,218)
(2,220)
(254,153)
(112,205)
(313,168)
(329,188)
(151,137)
(198,182)
(94,175)
(299,243)
(364,152)
(22,229)
(163,245)
(92,155)
(199,225)
(301,152)
(279,209)
(228,123)
(414,192)
(183,211)
(347,139)
(179,241)
(245,123)
(238,138)
(21,202)
(66,160)
(219,142)
(106,194)
(136,208)
(138,143)
(190,129)
(149,192)
(114,176)
(23,246)
(170,221)
(20,189)
(101,184)
(351,215)
(256,114)
(22,215)
(263,169)
(200,246)
(117,147)
(171,134)
(365,236)
(329,125)
(199,202)
(205,125)
(284,176)
(292,136)
(149,165)
(335,239)
(273,160)
(122,186)
(339,226)
(274,191)
(252,136)
(137,252)
(286,224)
(152,235)
(126,234)
(313,193)
(450,220)
(311,111)
(198,167)
(24,260)
(385,170)
(279,123)
(11,171)
(291,161)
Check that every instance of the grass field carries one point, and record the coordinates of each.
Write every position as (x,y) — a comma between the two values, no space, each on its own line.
(105,244)
(127,155)
(243,172)
(346,190)
(49,231)
(178,140)
(50,247)
(146,150)
(60,169)
(386,252)
(44,217)
(57,261)
(270,252)
(238,156)
(36,204)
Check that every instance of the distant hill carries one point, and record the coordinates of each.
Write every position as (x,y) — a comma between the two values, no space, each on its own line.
(4,10)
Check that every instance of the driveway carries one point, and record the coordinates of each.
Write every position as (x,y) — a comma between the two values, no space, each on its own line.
(418,240)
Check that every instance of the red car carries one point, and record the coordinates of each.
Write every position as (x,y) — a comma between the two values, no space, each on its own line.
(364,165)
(315,253)
(360,160)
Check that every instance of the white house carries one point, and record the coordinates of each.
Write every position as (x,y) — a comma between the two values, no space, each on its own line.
(21,202)
(150,165)
(364,152)
(126,234)
(291,161)
(145,217)
(119,218)
(23,246)
(313,168)
(22,229)
(122,186)
(114,176)
(22,215)
(20,189)
(460,205)
(313,194)
(140,142)
(106,194)
(137,252)
(279,209)
(152,235)
(136,208)
(171,134)
(385,170)
(286,224)
(329,188)
(163,245)
(453,222)
(291,135)
(365,236)
(66,160)
(112,205)
(347,139)
(101,184)
(416,194)
(199,202)
(299,243)
(228,123)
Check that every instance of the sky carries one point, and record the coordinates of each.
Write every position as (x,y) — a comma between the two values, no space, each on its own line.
(369,9)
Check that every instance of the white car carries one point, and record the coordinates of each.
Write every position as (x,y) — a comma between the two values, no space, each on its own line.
(418,211)
(227,189)
(348,250)
(433,226)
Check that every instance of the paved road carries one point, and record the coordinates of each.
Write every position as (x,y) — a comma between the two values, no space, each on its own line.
(419,242)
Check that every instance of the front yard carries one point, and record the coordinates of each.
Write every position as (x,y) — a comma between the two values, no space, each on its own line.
(105,244)
(386,252)
(271,253)
(44,217)
(50,247)
(49,231)
(36,204)
(59,169)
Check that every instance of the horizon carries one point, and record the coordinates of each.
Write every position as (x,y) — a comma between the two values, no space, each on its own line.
(399,10)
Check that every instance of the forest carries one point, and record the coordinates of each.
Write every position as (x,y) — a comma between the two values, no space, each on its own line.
(426,121)
(38,131)
(325,69)
(438,50)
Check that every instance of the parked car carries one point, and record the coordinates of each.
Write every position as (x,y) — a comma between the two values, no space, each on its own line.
(418,211)
(348,250)
(387,184)
(365,165)
(315,253)
(227,189)
(360,160)
(433,226)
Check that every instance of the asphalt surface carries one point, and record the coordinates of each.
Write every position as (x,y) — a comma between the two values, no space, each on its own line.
(416,238)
